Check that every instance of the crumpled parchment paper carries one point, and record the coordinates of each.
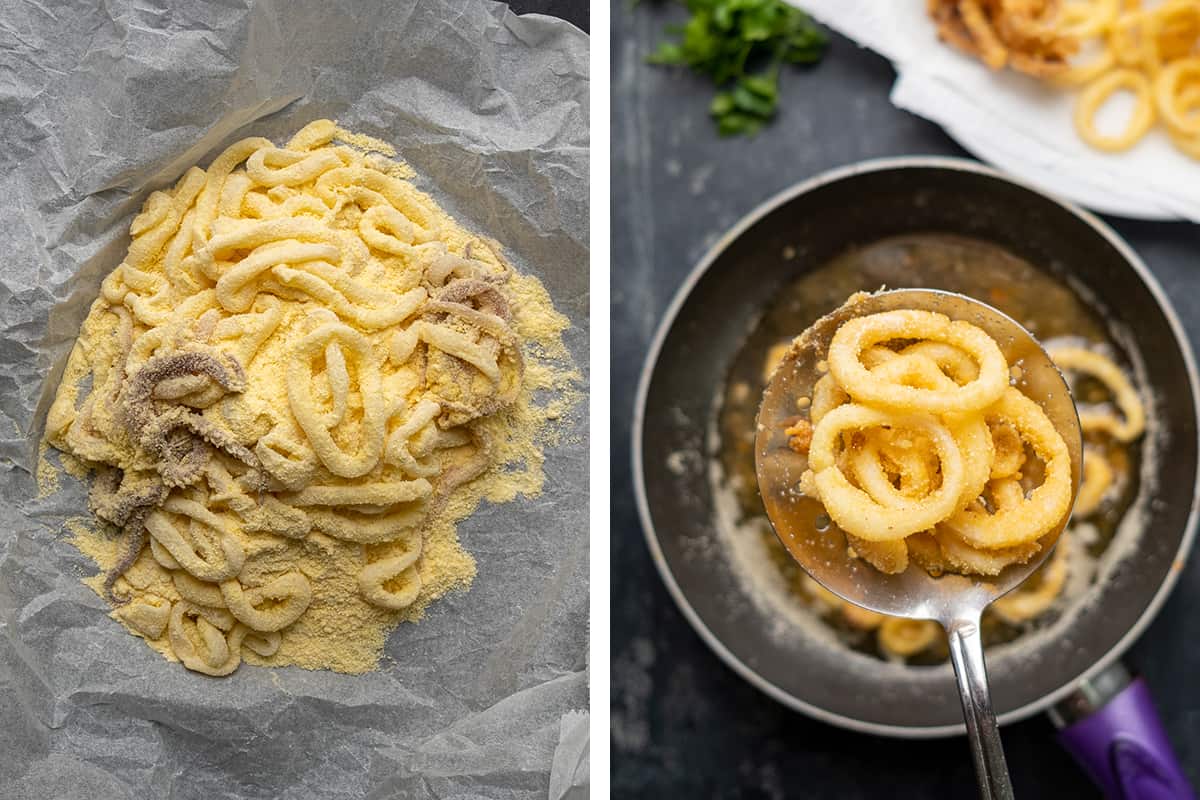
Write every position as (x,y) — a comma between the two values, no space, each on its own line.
(1016,122)
(100,103)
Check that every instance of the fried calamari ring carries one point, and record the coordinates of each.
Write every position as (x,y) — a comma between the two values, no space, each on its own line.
(890,558)
(916,367)
(1102,368)
(861,333)
(1169,95)
(1097,478)
(892,467)
(1079,74)
(991,50)
(1187,103)
(945,550)
(1097,94)
(1086,18)
(906,637)
(854,510)
(952,361)
(924,550)
(1046,506)
(855,616)
(1008,449)
(827,395)
(960,556)
(916,473)
(1025,603)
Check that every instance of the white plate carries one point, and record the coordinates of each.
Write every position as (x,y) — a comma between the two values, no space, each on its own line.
(1058,183)
(1015,122)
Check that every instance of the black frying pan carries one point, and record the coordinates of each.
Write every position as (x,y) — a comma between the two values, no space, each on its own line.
(704,329)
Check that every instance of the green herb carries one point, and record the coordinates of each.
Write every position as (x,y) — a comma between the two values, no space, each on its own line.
(740,45)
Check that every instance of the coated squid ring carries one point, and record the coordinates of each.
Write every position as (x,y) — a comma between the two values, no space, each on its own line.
(907,637)
(1097,94)
(861,333)
(1009,451)
(1088,18)
(854,510)
(1172,97)
(1078,359)
(920,365)
(826,396)
(1033,516)
(916,473)
(1026,603)
(1079,74)
(869,464)
(1188,103)
(1097,478)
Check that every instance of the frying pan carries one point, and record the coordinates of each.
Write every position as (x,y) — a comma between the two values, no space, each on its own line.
(705,326)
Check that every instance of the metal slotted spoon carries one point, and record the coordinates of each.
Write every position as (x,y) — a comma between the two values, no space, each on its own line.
(955,601)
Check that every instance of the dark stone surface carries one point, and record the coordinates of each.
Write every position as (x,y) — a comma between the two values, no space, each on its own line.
(683,724)
(574,11)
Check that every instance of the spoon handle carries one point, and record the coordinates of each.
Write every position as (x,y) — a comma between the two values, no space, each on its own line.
(966,651)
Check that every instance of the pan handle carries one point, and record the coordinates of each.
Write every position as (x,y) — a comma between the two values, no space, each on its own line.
(1111,728)
(966,651)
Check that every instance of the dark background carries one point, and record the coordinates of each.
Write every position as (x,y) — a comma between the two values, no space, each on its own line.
(573,11)
(683,724)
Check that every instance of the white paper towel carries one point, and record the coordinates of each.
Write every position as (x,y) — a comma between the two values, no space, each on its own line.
(1012,120)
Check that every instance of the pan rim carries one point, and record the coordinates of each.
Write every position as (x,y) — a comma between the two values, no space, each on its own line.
(651,362)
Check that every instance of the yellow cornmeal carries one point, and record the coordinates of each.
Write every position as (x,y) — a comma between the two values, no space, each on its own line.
(339,628)
(46,473)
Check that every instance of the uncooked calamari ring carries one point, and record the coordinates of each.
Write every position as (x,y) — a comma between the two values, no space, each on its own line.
(292,595)
(854,510)
(861,333)
(1046,506)
(1097,94)
(198,640)
(1100,367)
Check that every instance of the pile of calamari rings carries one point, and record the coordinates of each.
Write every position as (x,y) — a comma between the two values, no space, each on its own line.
(899,638)
(916,443)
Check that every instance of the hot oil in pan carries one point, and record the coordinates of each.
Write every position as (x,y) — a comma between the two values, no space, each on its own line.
(1044,304)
